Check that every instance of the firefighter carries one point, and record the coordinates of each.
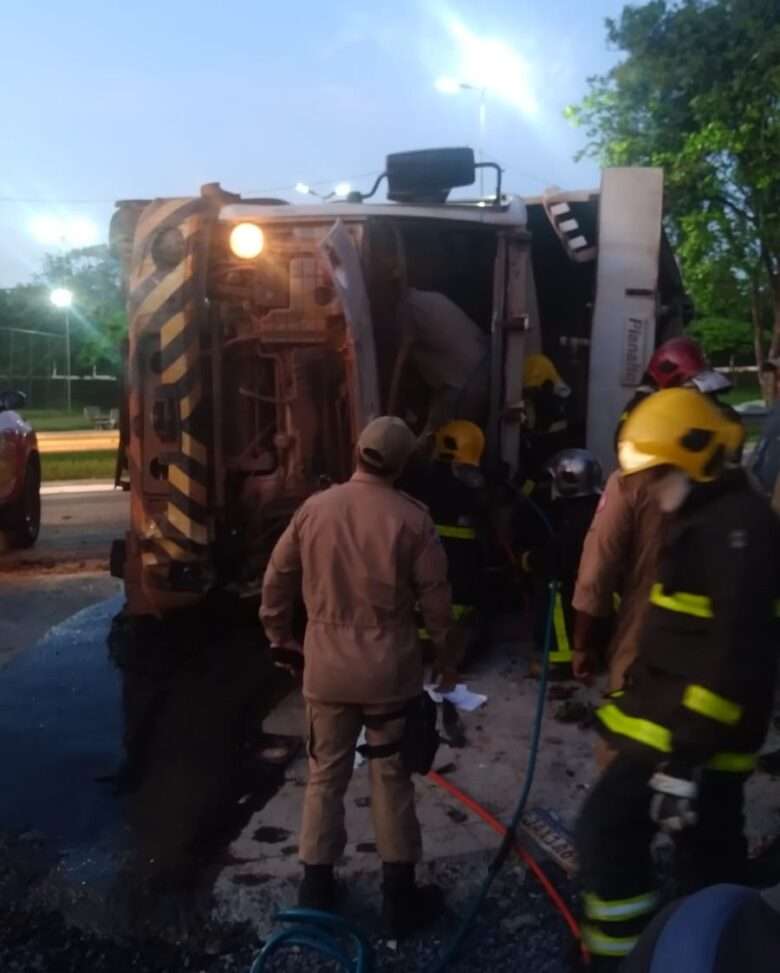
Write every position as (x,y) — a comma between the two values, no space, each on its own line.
(451,353)
(677,362)
(454,492)
(620,553)
(616,572)
(576,480)
(364,554)
(545,405)
(698,698)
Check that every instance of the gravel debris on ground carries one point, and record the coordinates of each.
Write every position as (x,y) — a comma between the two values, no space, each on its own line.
(517,929)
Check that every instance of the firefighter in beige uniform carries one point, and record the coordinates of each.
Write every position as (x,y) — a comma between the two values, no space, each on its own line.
(365,554)
(620,557)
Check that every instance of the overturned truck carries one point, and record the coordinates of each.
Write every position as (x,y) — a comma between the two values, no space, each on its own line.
(263,336)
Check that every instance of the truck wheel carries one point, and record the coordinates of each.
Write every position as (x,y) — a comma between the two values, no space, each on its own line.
(24,521)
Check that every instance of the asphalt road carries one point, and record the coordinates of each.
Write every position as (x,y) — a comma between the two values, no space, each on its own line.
(66,571)
(76,530)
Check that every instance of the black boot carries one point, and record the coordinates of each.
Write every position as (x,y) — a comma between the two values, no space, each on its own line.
(317,889)
(406,907)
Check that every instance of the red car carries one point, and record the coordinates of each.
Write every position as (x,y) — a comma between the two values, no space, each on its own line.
(20,474)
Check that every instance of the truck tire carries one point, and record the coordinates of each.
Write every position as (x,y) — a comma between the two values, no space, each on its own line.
(24,519)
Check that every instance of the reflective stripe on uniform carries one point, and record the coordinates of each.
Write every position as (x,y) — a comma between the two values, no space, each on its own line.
(733,763)
(456,533)
(706,703)
(682,601)
(563,651)
(620,910)
(643,731)
(600,944)
(460,612)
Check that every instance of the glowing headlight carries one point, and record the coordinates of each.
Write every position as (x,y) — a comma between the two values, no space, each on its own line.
(246,241)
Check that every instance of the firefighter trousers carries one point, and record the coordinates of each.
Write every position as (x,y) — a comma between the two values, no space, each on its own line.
(613,838)
(332,734)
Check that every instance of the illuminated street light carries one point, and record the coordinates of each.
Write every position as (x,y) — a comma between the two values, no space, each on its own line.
(303,188)
(342,189)
(62,298)
(490,64)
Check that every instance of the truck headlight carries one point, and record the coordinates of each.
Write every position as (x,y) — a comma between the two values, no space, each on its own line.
(247,241)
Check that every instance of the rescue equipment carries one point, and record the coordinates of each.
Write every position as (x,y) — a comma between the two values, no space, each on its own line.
(419,738)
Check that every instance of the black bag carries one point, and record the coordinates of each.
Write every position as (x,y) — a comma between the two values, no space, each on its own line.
(419,738)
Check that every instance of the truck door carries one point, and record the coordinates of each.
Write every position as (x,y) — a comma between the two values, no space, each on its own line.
(344,262)
(624,314)
(515,334)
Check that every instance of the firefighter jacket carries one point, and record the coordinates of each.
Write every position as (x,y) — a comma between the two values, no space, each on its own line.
(457,502)
(557,560)
(702,686)
(364,554)
(620,556)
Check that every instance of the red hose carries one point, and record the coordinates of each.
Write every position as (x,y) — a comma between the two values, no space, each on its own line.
(521,853)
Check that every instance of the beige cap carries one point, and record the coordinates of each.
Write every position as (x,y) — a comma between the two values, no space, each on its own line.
(386,444)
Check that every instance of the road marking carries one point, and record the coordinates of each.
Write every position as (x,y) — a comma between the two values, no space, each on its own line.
(56,491)
(77,442)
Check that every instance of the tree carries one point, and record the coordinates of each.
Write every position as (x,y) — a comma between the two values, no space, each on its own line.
(98,321)
(698,93)
(724,339)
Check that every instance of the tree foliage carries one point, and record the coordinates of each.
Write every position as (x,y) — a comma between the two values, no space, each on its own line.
(724,339)
(97,318)
(698,93)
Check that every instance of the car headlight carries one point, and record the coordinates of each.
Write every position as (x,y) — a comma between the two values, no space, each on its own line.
(247,241)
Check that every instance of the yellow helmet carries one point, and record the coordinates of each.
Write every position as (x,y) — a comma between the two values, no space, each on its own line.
(538,369)
(678,427)
(461,442)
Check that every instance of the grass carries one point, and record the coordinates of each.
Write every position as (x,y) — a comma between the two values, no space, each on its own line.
(55,420)
(96,464)
(742,393)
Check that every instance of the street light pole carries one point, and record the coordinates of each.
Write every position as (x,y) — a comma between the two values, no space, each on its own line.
(67,358)
(62,298)
(482,129)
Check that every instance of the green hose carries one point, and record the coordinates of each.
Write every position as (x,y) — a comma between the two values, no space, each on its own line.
(329,935)
(509,838)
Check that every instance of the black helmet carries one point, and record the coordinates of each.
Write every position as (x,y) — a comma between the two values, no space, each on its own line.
(575,473)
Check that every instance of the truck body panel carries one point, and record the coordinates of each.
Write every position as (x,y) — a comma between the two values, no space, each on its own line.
(249,380)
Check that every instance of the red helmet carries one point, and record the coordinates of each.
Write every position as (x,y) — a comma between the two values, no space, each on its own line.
(676,362)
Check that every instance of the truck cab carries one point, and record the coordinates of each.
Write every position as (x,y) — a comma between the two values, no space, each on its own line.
(263,337)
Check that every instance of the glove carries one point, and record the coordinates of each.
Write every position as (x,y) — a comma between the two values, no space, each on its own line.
(445,678)
(590,639)
(673,804)
(289,657)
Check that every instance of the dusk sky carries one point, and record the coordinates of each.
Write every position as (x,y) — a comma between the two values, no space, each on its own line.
(104,99)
